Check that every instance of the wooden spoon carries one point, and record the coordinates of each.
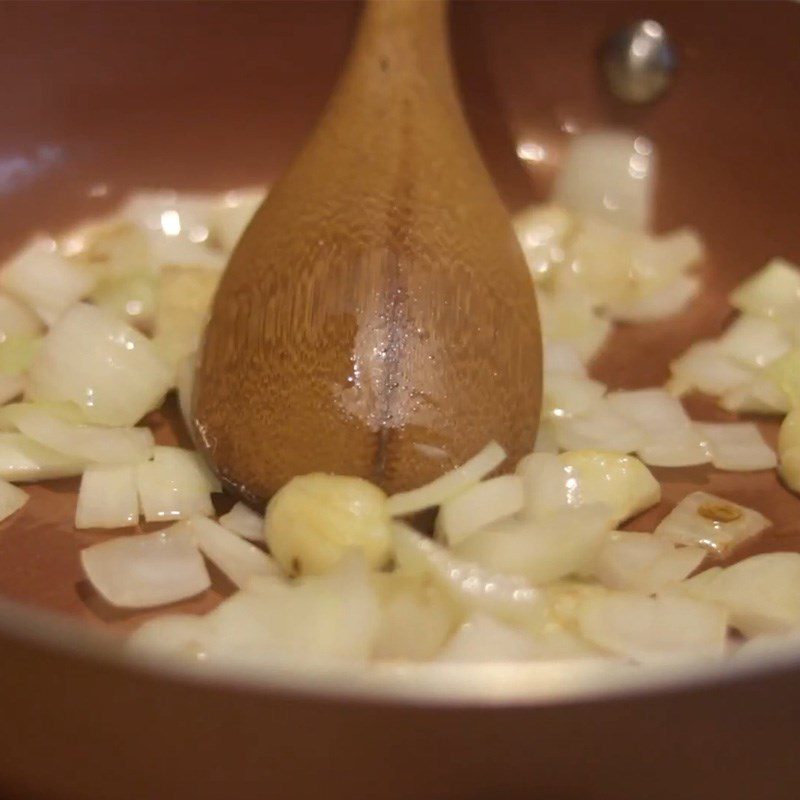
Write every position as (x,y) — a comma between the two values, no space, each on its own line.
(377,317)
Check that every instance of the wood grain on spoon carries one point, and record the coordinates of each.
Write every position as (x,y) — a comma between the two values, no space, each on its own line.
(377,317)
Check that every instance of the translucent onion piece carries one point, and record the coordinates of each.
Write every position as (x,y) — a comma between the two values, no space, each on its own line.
(244,522)
(569,316)
(658,261)
(108,497)
(449,484)
(609,175)
(712,522)
(147,570)
(11,413)
(784,372)
(467,584)
(46,281)
(22,460)
(481,505)
(754,341)
(541,231)
(113,249)
(238,559)
(131,298)
(773,291)
(180,635)
(483,639)
(790,468)
(11,387)
(314,520)
(416,618)
(228,220)
(86,442)
(567,395)
(17,354)
(173,486)
(549,485)
(16,319)
(762,593)
(658,304)
(641,562)
(12,498)
(789,435)
(654,629)
(761,395)
(103,365)
(562,357)
(737,446)
(707,368)
(546,441)
(541,552)
(599,428)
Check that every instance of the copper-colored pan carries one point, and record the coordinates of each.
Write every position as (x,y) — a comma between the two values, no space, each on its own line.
(101,98)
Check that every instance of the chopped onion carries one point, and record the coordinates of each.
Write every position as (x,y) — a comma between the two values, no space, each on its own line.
(737,446)
(570,316)
(790,468)
(657,262)
(654,629)
(244,522)
(16,319)
(47,282)
(656,305)
(449,484)
(228,221)
(17,354)
(483,639)
(86,442)
(789,435)
(107,497)
(467,584)
(599,428)
(101,364)
(565,544)
(22,459)
(150,569)
(12,498)
(112,249)
(669,439)
(182,635)
(546,441)
(712,522)
(562,357)
(184,383)
(567,395)
(610,175)
(131,298)
(641,562)
(11,387)
(173,486)
(238,559)
(762,395)
(478,506)
(784,372)
(762,593)
(706,367)
(773,291)
(754,341)
(67,412)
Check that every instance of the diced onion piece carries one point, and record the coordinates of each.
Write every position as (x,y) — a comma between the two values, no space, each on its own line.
(22,460)
(449,484)
(483,639)
(790,468)
(789,435)
(227,222)
(131,298)
(45,280)
(566,544)
(17,354)
(754,341)
(546,441)
(333,617)
(641,562)
(11,387)
(566,395)
(312,521)
(16,319)
(599,428)
(654,629)
(101,364)
(180,635)
(669,439)
(541,231)
(562,357)
(481,505)
(86,442)
(658,261)
(12,498)
(707,368)
(737,446)
(610,175)
(467,584)
(784,372)
(244,522)
(238,559)
(712,522)
(113,249)
(173,486)
(761,395)
(146,570)
(184,296)
(574,479)
(658,304)
(762,593)
(107,497)
(569,316)
(773,291)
